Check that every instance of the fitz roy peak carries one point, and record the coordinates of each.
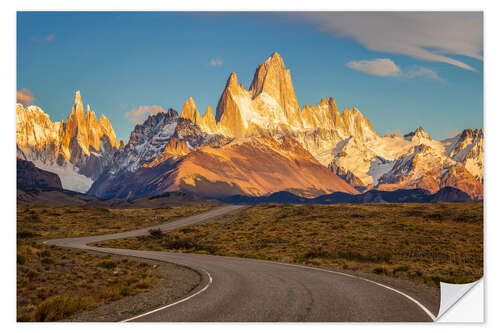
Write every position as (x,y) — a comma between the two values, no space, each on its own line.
(258,142)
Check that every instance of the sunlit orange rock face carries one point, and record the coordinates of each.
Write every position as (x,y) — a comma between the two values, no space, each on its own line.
(206,122)
(458,177)
(270,107)
(86,130)
(175,148)
(257,166)
(272,79)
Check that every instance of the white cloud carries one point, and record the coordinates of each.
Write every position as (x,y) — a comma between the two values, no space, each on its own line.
(421,71)
(137,116)
(25,96)
(431,36)
(379,67)
(216,62)
(387,67)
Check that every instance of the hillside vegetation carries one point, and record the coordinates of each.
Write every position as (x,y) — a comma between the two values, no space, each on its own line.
(425,243)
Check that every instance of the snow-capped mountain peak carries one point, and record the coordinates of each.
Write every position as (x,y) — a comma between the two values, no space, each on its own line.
(77,149)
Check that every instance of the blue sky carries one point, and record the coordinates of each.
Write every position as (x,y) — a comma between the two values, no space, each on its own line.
(400,70)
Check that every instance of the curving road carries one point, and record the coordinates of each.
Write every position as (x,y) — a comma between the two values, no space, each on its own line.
(248,290)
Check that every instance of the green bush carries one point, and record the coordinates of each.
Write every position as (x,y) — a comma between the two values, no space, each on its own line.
(108,264)
(47,261)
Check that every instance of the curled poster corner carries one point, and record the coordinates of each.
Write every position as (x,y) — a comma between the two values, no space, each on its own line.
(455,302)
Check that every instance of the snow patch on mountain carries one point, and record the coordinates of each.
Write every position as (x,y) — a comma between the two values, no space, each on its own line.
(71,179)
(378,168)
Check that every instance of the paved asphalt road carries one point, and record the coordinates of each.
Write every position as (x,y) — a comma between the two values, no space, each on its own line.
(248,290)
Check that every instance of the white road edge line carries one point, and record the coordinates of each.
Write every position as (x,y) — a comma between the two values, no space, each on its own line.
(177,302)
(427,311)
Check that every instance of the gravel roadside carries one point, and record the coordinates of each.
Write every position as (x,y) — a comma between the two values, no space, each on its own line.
(175,283)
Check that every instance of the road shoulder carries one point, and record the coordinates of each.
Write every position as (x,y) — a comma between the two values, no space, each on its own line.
(175,283)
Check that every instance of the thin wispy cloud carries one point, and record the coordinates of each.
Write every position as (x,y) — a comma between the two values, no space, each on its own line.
(421,71)
(378,67)
(431,36)
(387,67)
(45,39)
(137,116)
(50,37)
(216,62)
(25,96)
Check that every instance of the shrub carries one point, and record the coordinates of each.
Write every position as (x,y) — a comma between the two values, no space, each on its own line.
(108,264)
(404,268)
(316,253)
(26,234)
(157,233)
(380,270)
(45,253)
(47,261)
(142,285)
(33,217)
(188,243)
(21,260)
(415,273)
(24,318)
(59,307)
(31,275)
(436,279)
(125,291)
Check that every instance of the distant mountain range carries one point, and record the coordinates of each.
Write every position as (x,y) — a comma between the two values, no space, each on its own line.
(258,143)
(36,186)
(446,194)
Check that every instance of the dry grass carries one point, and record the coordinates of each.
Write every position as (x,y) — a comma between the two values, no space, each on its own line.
(54,283)
(426,243)
(74,221)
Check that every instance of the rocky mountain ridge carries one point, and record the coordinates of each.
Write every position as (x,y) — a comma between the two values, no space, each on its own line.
(78,150)
(263,125)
